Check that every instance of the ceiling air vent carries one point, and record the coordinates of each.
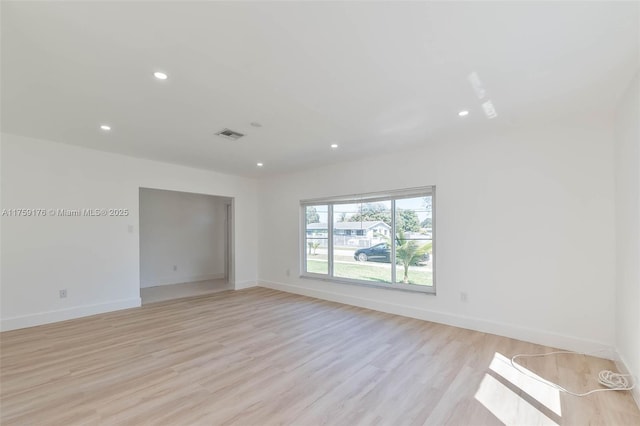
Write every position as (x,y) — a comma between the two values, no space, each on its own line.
(229,134)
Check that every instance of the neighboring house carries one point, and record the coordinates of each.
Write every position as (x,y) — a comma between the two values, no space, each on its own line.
(351,233)
(367,229)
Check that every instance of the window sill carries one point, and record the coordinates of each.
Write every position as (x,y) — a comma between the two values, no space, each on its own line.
(410,288)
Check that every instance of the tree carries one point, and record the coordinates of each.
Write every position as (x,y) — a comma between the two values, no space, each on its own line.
(409,252)
(428,203)
(372,212)
(313,245)
(312,215)
(408,221)
(428,206)
(427,223)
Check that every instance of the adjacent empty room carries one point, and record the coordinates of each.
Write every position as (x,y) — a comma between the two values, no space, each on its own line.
(184,244)
(320,213)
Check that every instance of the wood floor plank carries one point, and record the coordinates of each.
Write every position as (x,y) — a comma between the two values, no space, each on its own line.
(263,357)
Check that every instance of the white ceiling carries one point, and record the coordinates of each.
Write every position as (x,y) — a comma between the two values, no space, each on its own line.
(372,77)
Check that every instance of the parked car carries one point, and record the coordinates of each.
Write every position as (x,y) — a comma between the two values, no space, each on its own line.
(380,253)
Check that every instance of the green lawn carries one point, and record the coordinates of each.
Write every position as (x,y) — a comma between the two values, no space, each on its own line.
(336,257)
(369,271)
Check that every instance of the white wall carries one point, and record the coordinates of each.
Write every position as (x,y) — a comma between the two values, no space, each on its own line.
(184,230)
(524,226)
(95,258)
(627,197)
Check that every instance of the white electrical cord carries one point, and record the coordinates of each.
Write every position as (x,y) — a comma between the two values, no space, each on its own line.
(613,381)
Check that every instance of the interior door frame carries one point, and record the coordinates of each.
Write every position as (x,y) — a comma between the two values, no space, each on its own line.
(229,234)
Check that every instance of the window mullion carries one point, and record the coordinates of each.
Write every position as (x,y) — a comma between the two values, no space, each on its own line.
(303,213)
(330,239)
(393,241)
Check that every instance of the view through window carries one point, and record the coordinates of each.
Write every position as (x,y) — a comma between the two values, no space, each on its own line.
(383,240)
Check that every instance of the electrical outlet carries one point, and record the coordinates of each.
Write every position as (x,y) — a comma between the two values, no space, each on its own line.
(463,296)
(63,293)
(175,267)
(288,272)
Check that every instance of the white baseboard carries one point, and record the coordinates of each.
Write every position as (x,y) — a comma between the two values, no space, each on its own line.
(540,337)
(244,284)
(624,369)
(66,314)
(180,280)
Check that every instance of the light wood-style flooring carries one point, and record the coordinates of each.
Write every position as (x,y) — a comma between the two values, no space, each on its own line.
(263,357)
(162,293)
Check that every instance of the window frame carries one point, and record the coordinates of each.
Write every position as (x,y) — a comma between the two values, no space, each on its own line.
(392,196)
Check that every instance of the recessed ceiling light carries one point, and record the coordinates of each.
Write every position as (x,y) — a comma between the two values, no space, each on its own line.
(259,164)
(160,75)
(256,124)
(334,145)
(105,127)
(463,113)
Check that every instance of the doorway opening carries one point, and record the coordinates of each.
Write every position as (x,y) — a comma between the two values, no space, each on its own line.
(186,244)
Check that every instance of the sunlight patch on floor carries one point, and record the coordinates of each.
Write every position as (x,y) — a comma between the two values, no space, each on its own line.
(516,404)
(542,393)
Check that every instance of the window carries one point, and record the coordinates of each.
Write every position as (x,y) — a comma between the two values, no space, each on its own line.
(316,239)
(349,239)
